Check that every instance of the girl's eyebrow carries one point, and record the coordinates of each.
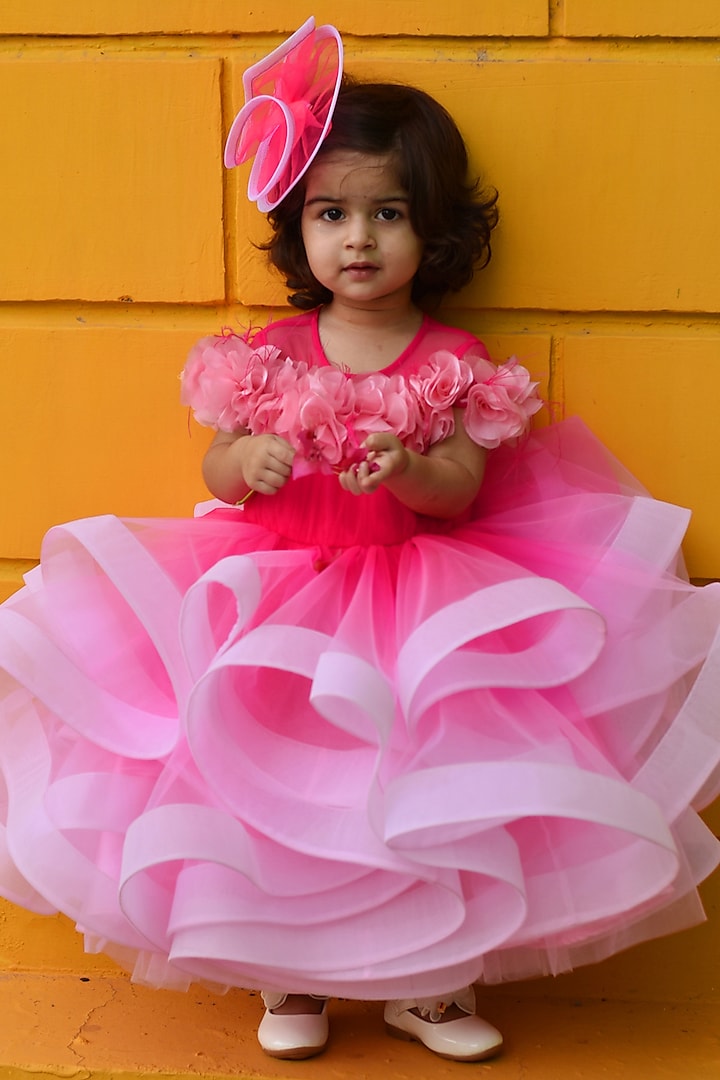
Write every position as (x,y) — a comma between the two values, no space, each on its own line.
(384,200)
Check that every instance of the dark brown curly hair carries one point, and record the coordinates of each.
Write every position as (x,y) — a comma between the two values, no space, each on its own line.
(452,215)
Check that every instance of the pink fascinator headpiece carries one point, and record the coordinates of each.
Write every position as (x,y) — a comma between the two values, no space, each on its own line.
(289,100)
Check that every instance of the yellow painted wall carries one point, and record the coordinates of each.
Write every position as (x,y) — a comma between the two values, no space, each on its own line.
(123,240)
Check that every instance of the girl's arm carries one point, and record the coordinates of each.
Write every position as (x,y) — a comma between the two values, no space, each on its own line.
(236,463)
(440,483)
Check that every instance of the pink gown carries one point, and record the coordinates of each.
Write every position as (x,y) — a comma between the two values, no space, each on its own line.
(319,743)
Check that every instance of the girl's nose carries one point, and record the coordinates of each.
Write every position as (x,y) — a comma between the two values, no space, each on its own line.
(359,233)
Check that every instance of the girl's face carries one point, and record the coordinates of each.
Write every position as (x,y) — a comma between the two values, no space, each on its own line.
(356,229)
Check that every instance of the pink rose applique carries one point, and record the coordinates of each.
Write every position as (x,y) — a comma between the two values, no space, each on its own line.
(403,413)
(382,403)
(439,425)
(318,428)
(500,407)
(440,385)
(275,410)
(254,384)
(369,404)
(443,381)
(213,372)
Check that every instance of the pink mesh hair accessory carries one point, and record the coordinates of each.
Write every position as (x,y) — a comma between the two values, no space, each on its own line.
(289,100)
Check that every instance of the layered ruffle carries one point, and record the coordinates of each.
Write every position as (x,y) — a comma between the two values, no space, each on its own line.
(470,754)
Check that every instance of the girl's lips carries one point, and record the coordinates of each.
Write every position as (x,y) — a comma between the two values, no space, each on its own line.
(360,271)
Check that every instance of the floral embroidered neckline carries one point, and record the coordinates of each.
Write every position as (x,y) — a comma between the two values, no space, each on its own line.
(326,416)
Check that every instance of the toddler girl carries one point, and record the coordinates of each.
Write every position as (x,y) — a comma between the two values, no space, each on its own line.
(423,700)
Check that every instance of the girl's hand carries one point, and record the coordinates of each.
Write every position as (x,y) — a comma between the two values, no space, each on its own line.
(441,483)
(386,457)
(266,462)
(237,462)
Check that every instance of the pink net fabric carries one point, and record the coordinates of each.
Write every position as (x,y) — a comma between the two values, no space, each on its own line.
(474,751)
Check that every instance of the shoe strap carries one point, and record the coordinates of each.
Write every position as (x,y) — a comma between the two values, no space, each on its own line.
(433,1008)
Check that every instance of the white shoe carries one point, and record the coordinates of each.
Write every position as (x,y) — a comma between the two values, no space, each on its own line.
(466,1039)
(293,1036)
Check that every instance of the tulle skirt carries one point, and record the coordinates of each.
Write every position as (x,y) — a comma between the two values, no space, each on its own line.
(462,752)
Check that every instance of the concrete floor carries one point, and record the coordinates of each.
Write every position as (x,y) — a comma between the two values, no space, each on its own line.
(70,1026)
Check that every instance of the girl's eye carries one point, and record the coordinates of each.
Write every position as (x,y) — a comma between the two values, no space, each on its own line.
(388,214)
(333,213)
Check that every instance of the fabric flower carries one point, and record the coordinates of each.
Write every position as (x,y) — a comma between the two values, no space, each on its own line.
(439,385)
(318,432)
(210,381)
(440,424)
(326,415)
(403,413)
(444,379)
(501,407)
(369,403)
(275,410)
